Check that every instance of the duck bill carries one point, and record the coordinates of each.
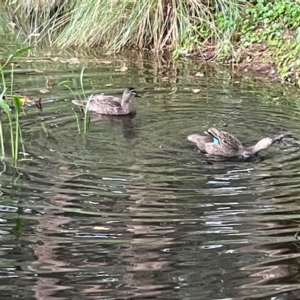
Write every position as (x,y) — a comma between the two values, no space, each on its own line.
(277,139)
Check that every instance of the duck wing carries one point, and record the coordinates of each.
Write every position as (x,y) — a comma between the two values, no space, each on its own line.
(107,105)
(105,98)
(225,139)
(200,141)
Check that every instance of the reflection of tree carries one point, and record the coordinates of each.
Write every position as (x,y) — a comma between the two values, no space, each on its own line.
(130,255)
(282,264)
(144,256)
(46,248)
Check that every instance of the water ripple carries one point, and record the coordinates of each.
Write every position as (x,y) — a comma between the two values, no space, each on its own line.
(132,210)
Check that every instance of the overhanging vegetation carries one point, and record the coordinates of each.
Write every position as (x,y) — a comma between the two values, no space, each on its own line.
(255,34)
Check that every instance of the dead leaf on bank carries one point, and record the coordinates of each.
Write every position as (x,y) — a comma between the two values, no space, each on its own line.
(199,74)
(196,90)
(109,84)
(54,58)
(44,91)
(106,62)
(122,69)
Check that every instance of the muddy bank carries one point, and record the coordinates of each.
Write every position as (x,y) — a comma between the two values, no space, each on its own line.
(256,60)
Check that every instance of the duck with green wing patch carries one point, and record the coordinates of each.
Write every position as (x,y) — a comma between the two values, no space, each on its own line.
(221,143)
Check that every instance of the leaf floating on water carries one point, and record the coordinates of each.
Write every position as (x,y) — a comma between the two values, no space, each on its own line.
(101,228)
(173,91)
(39,71)
(196,90)
(74,60)
(44,91)
(199,74)
(122,69)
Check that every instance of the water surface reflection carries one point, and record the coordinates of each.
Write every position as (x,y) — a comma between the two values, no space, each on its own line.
(131,210)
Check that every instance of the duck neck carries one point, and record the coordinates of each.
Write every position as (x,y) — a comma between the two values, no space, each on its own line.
(260,145)
(126,98)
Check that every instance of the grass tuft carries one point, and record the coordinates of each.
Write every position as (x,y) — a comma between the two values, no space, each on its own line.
(113,25)
(12,114)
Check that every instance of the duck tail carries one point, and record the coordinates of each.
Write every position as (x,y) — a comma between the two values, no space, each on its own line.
(79,103)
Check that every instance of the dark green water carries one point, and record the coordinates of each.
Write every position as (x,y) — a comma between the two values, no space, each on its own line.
(131,210)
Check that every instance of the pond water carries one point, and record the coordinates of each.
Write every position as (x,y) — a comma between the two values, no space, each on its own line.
(131,209)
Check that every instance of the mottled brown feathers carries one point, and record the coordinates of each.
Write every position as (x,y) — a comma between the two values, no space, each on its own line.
(110,105)
(222,143)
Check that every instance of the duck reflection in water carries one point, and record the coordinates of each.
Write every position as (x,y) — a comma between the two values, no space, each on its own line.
(124,122)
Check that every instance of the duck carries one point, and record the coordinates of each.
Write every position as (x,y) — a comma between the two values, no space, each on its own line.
(110,105)
(221,143)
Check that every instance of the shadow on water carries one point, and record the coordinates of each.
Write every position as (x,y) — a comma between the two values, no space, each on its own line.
(132,210)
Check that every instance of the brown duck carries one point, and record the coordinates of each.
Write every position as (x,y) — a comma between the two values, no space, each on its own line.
(110,105)
(222,143)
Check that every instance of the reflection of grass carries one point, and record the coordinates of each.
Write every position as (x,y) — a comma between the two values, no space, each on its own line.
(12,111)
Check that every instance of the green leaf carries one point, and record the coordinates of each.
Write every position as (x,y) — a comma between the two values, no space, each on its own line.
(6,108)
(17,103)
(17,53)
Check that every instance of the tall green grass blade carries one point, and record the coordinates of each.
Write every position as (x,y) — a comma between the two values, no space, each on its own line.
(22,141)
(81,81)
(7,110)
(2,142)
(1,132)
(13,118)
(86,111)
(12,80)
(77,121)
(65,84)
(86,115)
(3,80)
(17,53)
(18,104)
(44,128)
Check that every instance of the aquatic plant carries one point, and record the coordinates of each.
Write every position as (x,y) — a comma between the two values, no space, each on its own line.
(12,110)
(72,87)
